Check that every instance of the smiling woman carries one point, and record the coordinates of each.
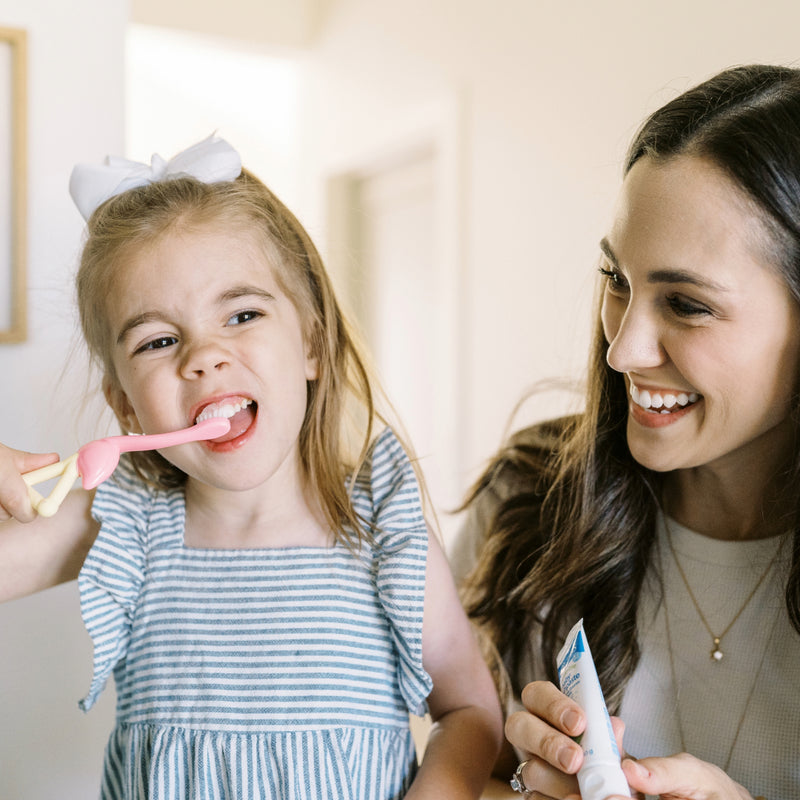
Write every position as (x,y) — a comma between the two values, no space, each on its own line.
(667,514)
(718,311)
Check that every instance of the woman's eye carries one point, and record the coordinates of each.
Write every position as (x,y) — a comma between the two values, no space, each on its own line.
(615,280)
(684,307)
(157,344)
(244,316)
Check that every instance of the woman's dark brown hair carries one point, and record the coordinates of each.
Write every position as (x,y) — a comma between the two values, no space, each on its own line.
(574,538)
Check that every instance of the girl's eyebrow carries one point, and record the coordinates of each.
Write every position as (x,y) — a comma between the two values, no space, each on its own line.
(245,290)
(666,275)
(136,321)
(234,293)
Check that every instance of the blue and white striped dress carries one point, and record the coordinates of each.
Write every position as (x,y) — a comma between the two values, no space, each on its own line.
(274,673)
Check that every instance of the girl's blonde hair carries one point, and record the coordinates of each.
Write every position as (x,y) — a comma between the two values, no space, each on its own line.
(340,413)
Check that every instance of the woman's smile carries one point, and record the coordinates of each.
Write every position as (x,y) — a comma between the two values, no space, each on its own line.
(657,408)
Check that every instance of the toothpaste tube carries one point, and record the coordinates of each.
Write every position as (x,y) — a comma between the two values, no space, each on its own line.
(601,774)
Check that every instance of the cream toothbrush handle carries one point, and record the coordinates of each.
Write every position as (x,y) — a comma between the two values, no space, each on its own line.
(67,469)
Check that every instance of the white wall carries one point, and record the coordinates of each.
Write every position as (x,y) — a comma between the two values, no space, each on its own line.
(538,100)
(181,87)
(548,94)
(49,750)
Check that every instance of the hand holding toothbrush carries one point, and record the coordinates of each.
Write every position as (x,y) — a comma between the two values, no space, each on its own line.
(13,499)
(97,460)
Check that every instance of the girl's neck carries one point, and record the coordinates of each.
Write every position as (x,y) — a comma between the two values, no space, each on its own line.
(218,519)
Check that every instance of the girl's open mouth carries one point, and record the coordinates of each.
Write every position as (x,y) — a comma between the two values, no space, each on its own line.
(241,411)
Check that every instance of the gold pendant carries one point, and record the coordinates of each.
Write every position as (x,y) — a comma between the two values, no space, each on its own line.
(716,653)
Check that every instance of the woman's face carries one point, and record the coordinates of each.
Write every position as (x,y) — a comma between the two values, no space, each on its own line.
(703,328)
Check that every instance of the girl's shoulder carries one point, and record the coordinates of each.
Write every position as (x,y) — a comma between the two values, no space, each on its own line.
(386,491)
(126,505)
(125,487)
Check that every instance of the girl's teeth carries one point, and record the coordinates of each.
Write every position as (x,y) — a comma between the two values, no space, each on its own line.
(226,410)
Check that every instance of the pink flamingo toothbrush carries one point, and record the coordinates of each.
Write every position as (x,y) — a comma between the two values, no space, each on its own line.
(97,460)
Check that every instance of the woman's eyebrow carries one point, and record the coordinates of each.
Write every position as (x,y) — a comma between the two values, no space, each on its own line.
(666,275)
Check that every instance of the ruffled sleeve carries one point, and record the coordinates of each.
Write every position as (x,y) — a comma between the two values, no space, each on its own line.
(401,540)
(113,573)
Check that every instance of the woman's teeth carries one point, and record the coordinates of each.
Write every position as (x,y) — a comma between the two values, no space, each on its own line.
(663,403)
(224,409)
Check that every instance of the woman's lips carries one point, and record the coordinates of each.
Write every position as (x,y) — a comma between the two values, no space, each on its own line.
(656,408)
(662,402)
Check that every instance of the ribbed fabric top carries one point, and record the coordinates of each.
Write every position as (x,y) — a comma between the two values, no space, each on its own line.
(743,711)
(220,655)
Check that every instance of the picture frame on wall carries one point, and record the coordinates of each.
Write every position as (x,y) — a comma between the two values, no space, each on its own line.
(13,185)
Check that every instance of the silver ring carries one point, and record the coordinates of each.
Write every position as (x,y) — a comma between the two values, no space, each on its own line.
(518,782)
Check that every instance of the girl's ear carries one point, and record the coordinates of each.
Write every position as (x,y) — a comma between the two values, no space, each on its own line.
(121,406)
(312,366)
(312,362)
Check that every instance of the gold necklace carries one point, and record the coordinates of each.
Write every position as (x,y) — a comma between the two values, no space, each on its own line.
(716,638)
(672,670)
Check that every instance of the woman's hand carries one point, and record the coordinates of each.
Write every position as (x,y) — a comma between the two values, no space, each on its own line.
(544,730)
(14,500)
(682,777)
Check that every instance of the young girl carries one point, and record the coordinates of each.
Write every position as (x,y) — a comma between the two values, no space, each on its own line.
(271,605)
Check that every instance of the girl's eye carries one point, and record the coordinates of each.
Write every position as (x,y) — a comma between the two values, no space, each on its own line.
(241,317)
(684,307)
(157,344)
(615,280)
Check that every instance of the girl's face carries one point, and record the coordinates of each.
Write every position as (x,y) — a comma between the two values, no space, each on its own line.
(704,330)
(200,326)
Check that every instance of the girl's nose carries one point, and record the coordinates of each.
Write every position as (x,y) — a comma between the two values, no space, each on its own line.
(203,359)
(634,340)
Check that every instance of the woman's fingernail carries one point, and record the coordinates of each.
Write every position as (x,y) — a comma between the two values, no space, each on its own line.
(566,756)
(571,720)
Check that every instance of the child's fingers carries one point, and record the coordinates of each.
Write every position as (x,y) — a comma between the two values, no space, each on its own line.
(14,499)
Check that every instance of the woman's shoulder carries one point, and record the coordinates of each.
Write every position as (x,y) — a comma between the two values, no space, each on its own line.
(525,459)
(518,475)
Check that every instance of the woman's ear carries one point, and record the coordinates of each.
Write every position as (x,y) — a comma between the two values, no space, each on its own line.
(121,406)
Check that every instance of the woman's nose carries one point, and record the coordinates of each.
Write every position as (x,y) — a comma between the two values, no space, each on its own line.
(634,339)
(203,358)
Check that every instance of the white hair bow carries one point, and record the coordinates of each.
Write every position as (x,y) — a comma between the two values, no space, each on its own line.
(210,161)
